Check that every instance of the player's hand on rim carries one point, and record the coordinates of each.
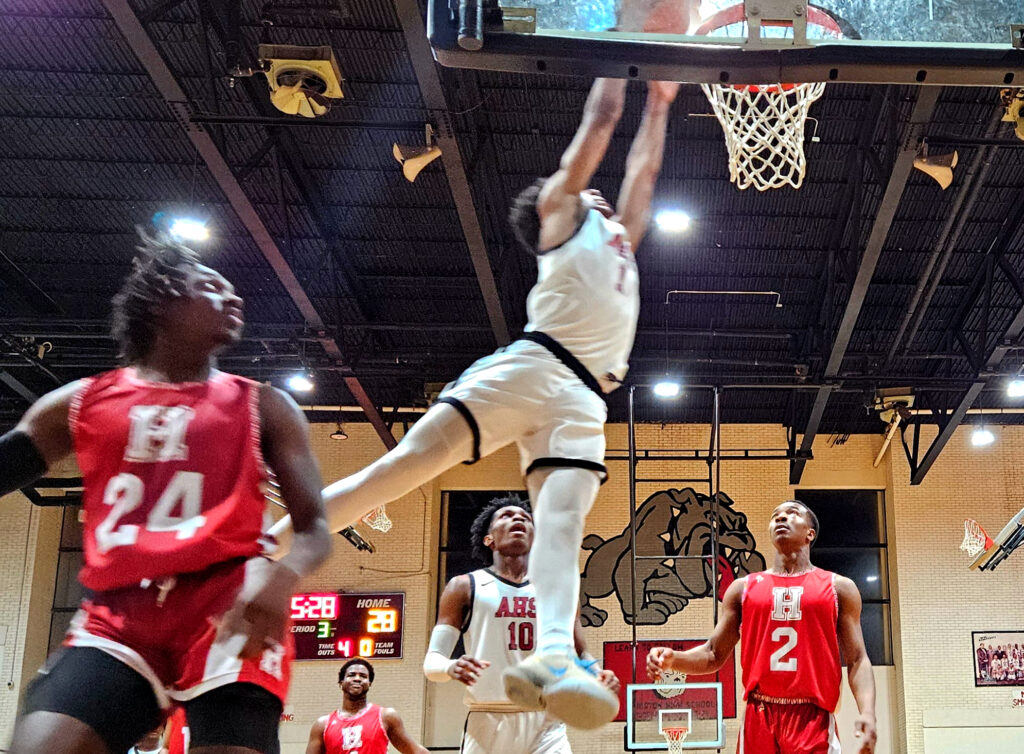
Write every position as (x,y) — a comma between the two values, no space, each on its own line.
(865,732)
(658,660)
(663,90)
(260,613)
(467,669)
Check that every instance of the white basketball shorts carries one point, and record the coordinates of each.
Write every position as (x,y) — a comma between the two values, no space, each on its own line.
(524,394)
(513,733)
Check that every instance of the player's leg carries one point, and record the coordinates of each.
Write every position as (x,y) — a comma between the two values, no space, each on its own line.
(239,718)
(87,702)
(547,736)
(804,729)
(551,678)
(435,443)
(757,735)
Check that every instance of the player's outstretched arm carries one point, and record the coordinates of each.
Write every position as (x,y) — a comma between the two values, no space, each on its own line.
(288,452)
(258,619)
(41,439)
(395,730)
(711,655)
(858,665)
(315,745)
(438,665)
(644,161)
(559,199)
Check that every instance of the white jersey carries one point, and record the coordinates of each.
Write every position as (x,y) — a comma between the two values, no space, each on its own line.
(502,629)
(587,297)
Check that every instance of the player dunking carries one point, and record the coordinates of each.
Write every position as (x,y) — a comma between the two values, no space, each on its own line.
(172,458)
(793,621)
(545,391)
(359,727)
(493,609)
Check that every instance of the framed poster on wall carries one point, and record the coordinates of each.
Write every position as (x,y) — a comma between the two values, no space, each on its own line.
(998,658)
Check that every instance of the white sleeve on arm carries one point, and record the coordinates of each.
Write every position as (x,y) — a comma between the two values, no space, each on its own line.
(439,654)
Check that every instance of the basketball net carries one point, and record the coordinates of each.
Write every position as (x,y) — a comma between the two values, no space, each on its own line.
(674,737)
(378,519)
(976,541)
(764,131)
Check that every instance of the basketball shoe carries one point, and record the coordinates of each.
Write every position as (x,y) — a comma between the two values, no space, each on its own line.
(567,688)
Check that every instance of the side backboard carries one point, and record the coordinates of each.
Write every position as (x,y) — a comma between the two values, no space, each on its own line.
(646,703)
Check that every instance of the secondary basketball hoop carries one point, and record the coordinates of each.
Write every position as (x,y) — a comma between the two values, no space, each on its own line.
(764,123)
(976,541)
(674,725)
(378,519)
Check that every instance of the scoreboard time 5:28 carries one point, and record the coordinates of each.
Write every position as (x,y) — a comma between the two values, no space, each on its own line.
(335,626)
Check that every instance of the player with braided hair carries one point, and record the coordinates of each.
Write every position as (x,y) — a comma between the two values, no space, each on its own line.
(180,606)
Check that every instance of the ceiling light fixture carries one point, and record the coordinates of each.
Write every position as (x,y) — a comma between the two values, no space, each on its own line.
(672,220)
(1015,388)
(981,437)
(300,383)
(339,433)
(189,229)
(667,389)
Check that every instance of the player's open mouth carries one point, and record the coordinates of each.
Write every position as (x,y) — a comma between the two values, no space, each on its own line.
(517,529)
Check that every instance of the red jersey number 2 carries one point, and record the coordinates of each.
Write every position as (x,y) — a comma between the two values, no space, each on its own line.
(625,252)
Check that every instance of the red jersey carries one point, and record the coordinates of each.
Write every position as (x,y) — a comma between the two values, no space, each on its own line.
(359,734)
(790,647)
(173,475)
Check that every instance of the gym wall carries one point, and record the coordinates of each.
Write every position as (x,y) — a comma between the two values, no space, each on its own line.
(926,699)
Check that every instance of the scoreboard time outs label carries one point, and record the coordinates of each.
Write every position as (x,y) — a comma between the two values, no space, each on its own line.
(333,626)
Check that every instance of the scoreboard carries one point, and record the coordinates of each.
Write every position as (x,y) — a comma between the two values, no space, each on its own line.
(335,626)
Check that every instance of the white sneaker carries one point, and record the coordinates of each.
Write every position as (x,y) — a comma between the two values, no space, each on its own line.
(568,692)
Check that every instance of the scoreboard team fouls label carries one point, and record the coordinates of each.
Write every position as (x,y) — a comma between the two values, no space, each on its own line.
(333,626)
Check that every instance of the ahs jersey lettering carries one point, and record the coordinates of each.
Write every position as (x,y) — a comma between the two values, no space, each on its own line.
(790,647)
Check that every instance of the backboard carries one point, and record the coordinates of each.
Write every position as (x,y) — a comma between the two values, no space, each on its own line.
(973,42)
(646,704)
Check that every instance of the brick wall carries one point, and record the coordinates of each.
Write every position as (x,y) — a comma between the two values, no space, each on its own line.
(937,602)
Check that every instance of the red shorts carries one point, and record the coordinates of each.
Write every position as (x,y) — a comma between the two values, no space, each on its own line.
(166,632)
(770,728)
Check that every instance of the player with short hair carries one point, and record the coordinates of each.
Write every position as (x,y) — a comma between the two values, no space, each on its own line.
(172,453)
(793,620)
(493,610)
(545,391)
(359,727)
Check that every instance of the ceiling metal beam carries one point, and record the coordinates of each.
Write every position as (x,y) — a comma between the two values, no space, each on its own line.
(18,386)
(429,81)
(145,50)
(927,99)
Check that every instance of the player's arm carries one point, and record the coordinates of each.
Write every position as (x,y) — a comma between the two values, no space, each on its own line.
(438,665)
(644,161)
(605,676)
(559,199)
(395,730)
(287,450)
(858,665)
(315,745)
(260,613)
(712,654)
(41,439)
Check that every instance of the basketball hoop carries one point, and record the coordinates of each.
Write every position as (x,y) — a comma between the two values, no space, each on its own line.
(378,519)
(675,737)
(675,727)
(976,541)
(764,123)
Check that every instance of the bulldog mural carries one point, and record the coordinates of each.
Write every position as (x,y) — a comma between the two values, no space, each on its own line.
(673,523)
